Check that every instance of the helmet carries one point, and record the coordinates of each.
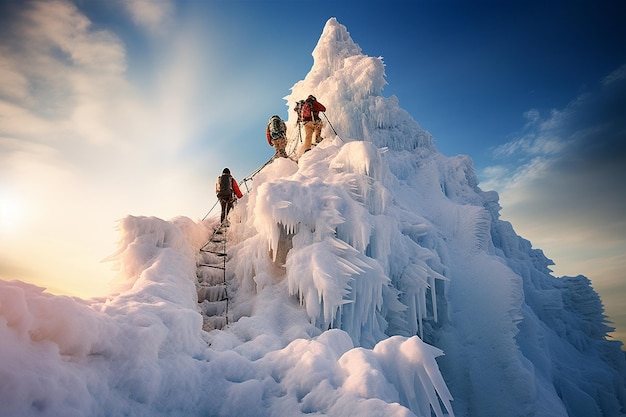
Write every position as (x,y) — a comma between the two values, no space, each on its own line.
(273,117)
(226,171)
(311,98)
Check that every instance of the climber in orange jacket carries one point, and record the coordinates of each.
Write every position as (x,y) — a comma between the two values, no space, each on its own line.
(276,133)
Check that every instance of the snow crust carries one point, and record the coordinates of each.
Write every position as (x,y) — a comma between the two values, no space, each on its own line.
(371,278)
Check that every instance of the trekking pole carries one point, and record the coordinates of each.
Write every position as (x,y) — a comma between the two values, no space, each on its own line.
(331,126)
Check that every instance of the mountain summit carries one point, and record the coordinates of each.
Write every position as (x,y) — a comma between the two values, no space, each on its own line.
(353,83)
(372,277)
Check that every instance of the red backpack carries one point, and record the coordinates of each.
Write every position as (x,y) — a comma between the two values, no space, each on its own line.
(307,111)
(304,110)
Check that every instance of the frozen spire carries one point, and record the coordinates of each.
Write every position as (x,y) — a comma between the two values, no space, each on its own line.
(350,84)
(333,48)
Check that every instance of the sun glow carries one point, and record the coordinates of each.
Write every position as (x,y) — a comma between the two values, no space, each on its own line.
(10,213)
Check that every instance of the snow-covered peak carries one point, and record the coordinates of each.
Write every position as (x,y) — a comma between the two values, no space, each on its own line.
(350,84)
(334,47)
(372,277)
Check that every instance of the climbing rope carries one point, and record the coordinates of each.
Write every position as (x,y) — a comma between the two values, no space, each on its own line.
(209,212)
(294,142)
(244,183)
(216,244)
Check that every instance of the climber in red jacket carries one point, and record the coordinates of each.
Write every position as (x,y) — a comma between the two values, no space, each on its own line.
(227,190)
(308,115)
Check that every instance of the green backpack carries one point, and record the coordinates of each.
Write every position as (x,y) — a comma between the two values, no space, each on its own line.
(277,127)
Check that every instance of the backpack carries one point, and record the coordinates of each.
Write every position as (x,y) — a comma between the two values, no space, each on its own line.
(225,191)
(306,111)
(277,127)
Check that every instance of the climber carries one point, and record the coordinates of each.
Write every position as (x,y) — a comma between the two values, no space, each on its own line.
(227,190)
(308,115)
(276,132)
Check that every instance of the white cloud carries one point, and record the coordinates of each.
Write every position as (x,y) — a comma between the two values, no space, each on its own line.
(616,76)
(154,16)
(70,75)
(81,146)
(14,84)
(576,153)
(58,26)
(561,183)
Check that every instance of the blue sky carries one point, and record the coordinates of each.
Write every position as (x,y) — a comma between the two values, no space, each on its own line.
(133,107)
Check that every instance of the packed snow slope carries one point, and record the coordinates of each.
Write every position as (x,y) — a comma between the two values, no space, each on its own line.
(371,278)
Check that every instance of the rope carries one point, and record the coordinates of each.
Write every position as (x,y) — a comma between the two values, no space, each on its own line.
(244,182)
(209,212)
(256,171)
(221,228)
(294,141)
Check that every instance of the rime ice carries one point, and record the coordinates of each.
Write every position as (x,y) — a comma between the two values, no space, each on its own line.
(374,277)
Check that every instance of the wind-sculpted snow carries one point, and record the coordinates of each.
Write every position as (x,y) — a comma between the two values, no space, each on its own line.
(342,263)
(70,357)
(143,353)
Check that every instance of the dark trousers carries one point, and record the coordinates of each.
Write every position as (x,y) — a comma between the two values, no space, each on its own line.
(227,206)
